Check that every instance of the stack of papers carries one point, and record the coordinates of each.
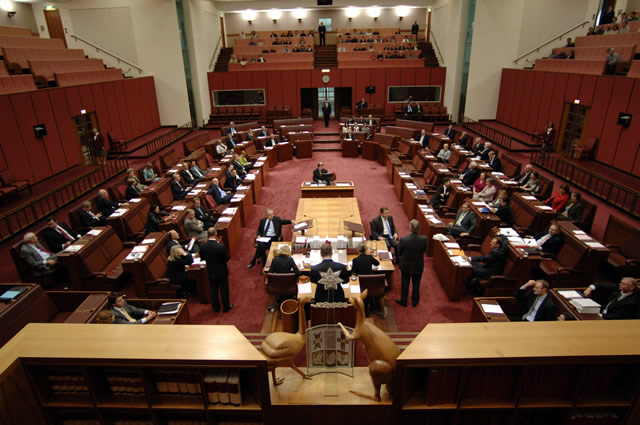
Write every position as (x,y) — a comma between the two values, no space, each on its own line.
(452,245)
(243,187)
(134,256)
(595,245)
(73,248)
(178,208)
(492,308)
(230,211)
(507,231)
(118,212)
(544,207)
(343,184)
(133,200)
(585,305)
(304,288)
(433,219)
(94,232)
(570,294)
(201,185)
(140,248)
(224,219)
(148,241)
(529,197)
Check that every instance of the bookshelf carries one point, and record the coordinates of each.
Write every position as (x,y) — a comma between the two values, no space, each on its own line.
(152,375)
(543,373)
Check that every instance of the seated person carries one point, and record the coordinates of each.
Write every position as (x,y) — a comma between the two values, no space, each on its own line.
(383,229)
(203,214)
(270,226)
(480,183)
(174,239)
(242,159)
(105,317)
(41,262)
(442,194)
(187,177)
(131,192)
(219,195)
(232,181)
(537,306)
(194,228)
(221,148)
(502,193)
(504,211)
(321,175)
(487,194)
(444,154)
(550,241)
(283,263)
(128,314)
(155,218)
(263,132)
(196,171)
(484,153)
(494,162)
(523,178)
(559,200)
(465,222)
(131,174)
(465,140)
(105,205)
(424,141)
(574,209)
(450,132)
(88,218)
(622,302)
(177,264)
(364,262)
(494,261)
(179,192)
(58,236)
(235,163)
(317,271)
(532,185)
(269,142)
(148,175)
(470,175)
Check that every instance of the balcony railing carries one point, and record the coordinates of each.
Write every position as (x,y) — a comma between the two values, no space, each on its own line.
(506,141)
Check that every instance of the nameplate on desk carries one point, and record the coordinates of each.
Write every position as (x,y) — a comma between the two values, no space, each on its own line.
(570,294)
(529,197)
(544,207)
(343,184)
(216,169)
(595,245)
(94,232)
(223,219)
(492,308)
(140,248)
(134,200)
(148,241)
(230,211)
(73,248)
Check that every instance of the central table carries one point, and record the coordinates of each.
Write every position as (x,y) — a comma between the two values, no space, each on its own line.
(338,190)
(328,215)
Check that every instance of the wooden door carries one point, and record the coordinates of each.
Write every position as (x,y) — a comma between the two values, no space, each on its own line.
(54,24)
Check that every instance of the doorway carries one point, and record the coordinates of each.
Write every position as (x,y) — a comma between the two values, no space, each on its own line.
(84,124)
(54,25)
(339,98)
(574,121)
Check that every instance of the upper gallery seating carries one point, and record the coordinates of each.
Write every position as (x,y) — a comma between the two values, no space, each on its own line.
(249,47)
(16,84)
(32,42)
(15,31)
(17,58)
(379,48)
(66,79)
(43,70)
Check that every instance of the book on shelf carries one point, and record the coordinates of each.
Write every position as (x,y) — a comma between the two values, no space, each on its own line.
(221,385)
(211,386)
(233,385)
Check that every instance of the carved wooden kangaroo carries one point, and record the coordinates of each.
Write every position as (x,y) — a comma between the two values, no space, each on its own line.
(381,351)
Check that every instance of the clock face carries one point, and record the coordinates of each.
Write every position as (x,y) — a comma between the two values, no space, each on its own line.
(326,78)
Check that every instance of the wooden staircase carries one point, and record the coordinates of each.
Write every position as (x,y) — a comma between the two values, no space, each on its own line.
(222,63)
(430,58)
(325,57)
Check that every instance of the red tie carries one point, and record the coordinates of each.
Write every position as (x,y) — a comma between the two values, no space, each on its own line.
(64,233)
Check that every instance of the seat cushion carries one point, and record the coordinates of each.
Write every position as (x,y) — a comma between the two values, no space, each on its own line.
(616,260)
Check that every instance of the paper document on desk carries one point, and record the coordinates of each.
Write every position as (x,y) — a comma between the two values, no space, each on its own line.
(263,239)
(595,245)
(197,261)
(230,211)
(224,219)
(73,248)
(140,248)
(242,187)
(579,232)
(178,207)
(584,237)
(94,232)
(119,212)
(355,289)
(492,308)
(507,231)
(452,245)
(133,200)
(544,207)
(201,185)
(304,288)
(343,184)
(570,294)
(147,241)
(529,197)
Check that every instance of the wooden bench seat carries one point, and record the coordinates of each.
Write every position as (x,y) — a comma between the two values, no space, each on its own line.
(18,58)
(44,70)
(17,84)
(66,79)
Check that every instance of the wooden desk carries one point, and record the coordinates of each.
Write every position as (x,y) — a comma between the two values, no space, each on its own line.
(243,199)
(337,190)
(565,306)
(597,252)
(458,155)
(179,318)
(230,230)
(436,141)
(158,193)
(400,177)
(179,209)
(479,315)
(530,213)
(411,199)
(295,136)
(502,182)
(328,214)
(262,164)
(254,179)
(198,191)
(440,171)
(459,193)
(452,276)
(272,156)
(351,288)
(430,224)
(486,220)
(350,148)
(130,220)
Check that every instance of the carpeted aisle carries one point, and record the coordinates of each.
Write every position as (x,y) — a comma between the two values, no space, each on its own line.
(372,188)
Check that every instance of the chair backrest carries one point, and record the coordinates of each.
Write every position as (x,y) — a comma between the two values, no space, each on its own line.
(210,162)
(122,191)
(590,143)
(211,203)
(282,283)
(322,316)
(7,177)
(374,283)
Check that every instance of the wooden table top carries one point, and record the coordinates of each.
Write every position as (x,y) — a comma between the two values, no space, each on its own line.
(328,214)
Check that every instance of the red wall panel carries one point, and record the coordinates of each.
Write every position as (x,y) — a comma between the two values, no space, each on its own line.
(74,103)
(525,104)
(51,142)
(363,79)
(557,99)
(316,79)
(34,147)
(66,127)
(274,82)
(587,88)
(304,78)
(379,97)
(545,100)
(290,93)
(627,149)
(599,108)
(573,88)
(348,77)
(153,101)
(438,77)
(538,85)
(622,89)
(112,107)
(123,111)
(230,80)
(131,95)
(101,109)
(14,150)
(502,95)
(517,99)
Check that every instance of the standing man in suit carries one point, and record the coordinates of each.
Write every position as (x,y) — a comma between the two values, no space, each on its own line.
(494,162)
(105,205)
(99,150)
(326,112)
(383,229)
(88,218)
(361,105)
(270,227)
(494,261)
(322,31)
(132,191)
(128,314)
(550,241)
(411,251)
(179,192)
(220,196)
(465,222)
(322,293)
(623,299)
(538,307)
(415,28)
(450,132)
(41,261)
(548,138)
(58,236)
(216,257)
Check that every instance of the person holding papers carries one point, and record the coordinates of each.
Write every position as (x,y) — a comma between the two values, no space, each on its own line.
(623,299)
(538,307)
(269,230)
(128,314)
(177,264)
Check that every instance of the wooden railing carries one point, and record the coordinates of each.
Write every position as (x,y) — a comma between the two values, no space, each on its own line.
(161,142)
(506,141)
(32,212)
(616,194)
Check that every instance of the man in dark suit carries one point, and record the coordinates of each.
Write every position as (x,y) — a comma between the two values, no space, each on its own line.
(132,191)
(321,175)
(504,211)
(231,142)
(219,195)
(478,146)
(523,178)
(415,28)
(470,175)
(383,229)
(411,251)
(322,293)
(174,240)
(202,213)
(88,218)
(104,204)
(494,261)
(361,105)
(538,306)
(231,130)
(442,194)
(179,192)
(494,162)
(574,209)
(424,139)
(623,299)
(58,236)
(40,261)
(322,31)
(484,153)
(128,314)
(232,181)
(450,132)
(269,142)
(263,132)
(196,171)
(363,263)
(465,140)
(216,257)
(326,112)
(238,167)
(465,222)
(187,177)
(270,227)
(550,241)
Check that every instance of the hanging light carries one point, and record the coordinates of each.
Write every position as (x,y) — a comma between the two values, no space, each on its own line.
(249,15)
(274,14)
(352,12)
(402,11)
(373,12)
(300,14)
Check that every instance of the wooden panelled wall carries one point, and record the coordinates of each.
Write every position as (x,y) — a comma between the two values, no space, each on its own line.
(283,87)
(529,99)
(126,108)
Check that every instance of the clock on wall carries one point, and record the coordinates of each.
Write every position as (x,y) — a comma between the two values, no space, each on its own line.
(326,78)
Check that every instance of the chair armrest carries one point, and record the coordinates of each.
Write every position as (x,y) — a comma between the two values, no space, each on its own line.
(566,270)
(548,255)
(161,281)
(614,248)
(128,244)
(94,275)
(447,215)
(474,246)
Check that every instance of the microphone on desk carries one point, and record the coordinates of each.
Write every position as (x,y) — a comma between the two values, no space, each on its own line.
(312,218)
(341,222)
